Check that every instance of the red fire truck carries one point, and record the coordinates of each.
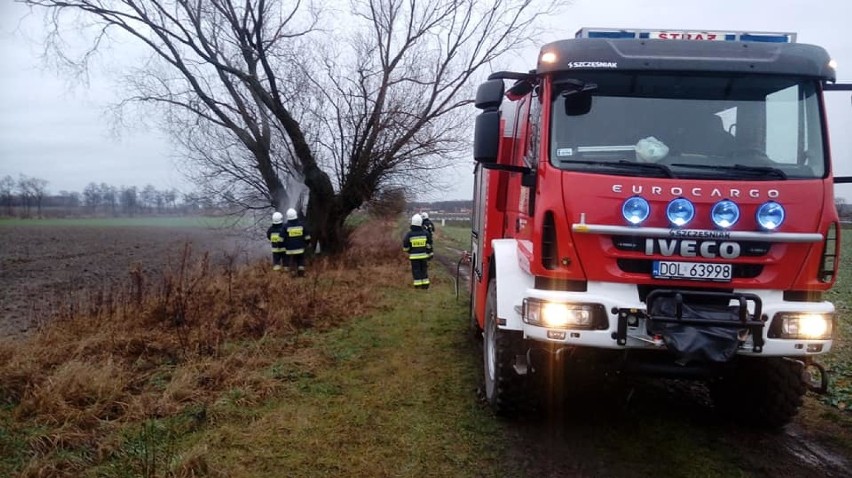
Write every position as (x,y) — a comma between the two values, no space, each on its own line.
(658,202)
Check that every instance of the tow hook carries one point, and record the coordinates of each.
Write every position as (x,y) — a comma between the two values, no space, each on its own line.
(815,378)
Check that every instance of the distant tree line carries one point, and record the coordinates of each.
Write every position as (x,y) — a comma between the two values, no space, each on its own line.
(458,206)
(29,197)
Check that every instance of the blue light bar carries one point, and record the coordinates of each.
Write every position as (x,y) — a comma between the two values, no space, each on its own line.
(693,35)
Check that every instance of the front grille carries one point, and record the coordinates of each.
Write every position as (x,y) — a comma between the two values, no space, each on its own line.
(644,266)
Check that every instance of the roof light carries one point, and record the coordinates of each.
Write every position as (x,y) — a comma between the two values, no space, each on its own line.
(548,57)
(694,35)
(832,64)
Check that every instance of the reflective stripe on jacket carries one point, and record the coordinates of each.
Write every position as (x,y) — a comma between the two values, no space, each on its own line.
(296,237)
(274,234)
(417,243)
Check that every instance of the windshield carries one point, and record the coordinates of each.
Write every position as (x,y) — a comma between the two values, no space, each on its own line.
(748,127)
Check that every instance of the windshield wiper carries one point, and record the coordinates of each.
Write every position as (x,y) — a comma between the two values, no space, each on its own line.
(769,171)
(625,164)
(657,167)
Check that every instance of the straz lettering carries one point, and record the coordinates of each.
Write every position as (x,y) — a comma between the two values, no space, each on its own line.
(692,248)
(688,36)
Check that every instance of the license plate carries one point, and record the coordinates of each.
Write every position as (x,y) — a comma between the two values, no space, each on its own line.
(691,271)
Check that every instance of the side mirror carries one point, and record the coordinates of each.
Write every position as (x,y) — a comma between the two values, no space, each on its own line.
(578,98)
(486,133)
(520,89)
(578,104)
(489,95)
(486,136)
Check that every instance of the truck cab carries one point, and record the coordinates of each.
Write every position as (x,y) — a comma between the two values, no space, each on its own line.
(658,202)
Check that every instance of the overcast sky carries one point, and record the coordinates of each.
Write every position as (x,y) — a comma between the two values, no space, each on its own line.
(60,132)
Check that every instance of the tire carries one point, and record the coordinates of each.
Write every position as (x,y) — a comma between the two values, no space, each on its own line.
(505,391)
(766,392)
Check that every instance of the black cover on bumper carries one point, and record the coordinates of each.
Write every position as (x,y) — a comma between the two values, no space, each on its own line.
(697,331)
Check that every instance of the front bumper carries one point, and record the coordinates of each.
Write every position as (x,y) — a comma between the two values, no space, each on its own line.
(617,298)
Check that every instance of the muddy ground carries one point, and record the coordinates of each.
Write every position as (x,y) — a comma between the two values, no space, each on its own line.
(605,432)
(607,427)
(42,267)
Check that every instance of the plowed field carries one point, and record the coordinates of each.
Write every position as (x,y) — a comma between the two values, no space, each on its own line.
(42,266)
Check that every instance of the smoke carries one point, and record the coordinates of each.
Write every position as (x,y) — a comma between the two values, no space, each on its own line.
(294,194)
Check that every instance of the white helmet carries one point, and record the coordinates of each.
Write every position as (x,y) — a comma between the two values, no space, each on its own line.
(425,215)
(291,214)
(416,220)
(277,218)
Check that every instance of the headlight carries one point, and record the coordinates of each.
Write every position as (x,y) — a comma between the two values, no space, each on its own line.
(635,210)
(805,326)
(561,315)
(725,213)
(770,215)
(680,211)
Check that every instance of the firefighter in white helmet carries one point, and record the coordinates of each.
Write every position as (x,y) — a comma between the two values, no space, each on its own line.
(418,244)
(427,223)
(275,234)
(296,240)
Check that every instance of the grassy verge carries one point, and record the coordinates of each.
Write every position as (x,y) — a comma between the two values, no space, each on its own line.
(252,373)
(839,360)
(391,396)
(348,373)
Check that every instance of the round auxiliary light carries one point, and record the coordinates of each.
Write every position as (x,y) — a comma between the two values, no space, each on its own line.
(635,210)
(770,215)
(725,213)
(680,211)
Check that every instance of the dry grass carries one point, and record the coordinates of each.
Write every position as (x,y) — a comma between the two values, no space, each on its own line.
(203,339)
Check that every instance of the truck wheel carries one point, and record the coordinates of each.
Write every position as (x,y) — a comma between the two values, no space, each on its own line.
(504,390)
(766,392)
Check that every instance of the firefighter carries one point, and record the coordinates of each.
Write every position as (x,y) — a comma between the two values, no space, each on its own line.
(296,239)
(276,237)
(427,223)
(418,245)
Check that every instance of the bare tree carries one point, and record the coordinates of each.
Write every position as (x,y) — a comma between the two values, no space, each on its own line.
(26,194)
(249,103)
(393,114)
(38,188)
(92,196)
(109,198)
(7,194)
(129,198)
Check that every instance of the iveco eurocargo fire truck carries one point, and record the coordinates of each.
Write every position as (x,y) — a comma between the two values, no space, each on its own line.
(658,202)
